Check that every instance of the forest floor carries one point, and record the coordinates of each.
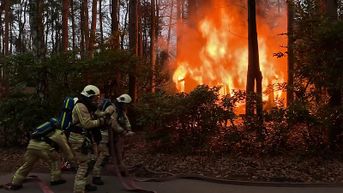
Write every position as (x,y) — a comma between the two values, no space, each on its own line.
(285,168)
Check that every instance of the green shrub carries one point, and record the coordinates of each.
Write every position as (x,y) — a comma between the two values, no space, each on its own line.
(19,114)
(183,122)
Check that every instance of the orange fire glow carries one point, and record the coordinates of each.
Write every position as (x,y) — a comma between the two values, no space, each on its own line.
(213,49)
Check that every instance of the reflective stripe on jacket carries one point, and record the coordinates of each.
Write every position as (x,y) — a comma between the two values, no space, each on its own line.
(83,118)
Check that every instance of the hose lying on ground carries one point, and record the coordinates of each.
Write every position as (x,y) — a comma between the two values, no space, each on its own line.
(128,182)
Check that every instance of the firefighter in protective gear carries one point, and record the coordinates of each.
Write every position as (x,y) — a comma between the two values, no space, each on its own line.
(83,136)
(44,148)
(120,124)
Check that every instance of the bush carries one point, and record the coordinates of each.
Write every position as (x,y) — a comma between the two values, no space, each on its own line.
(182,122)
(204,122)
(19,114)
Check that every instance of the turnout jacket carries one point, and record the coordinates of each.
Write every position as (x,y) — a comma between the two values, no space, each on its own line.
(118,124)
(82,118)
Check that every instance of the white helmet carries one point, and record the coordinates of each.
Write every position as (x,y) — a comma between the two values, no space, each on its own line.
(90,90)
(124,98)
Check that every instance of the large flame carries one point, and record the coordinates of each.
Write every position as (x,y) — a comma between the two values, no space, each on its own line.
(213,49)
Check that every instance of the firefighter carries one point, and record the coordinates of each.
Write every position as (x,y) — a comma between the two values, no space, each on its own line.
(120,124)
(84,134)
(44,143)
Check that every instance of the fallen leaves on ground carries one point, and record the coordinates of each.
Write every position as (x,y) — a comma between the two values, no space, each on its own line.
(286,168)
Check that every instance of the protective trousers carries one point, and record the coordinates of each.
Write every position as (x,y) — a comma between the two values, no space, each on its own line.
(31,157)
(83,160)
(103,154)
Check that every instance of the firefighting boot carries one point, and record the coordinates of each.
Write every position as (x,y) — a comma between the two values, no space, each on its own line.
(97,181)
(11,186)
(90,188)
(57,182)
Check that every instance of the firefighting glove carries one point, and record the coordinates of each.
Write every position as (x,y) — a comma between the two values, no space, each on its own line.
(129,133)
(86,146)
(105,114)
(118,129)
(102,121)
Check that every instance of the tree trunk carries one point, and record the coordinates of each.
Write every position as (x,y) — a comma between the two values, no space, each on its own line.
(133,26)
(290,21)
(170,24)
(58,35)
(7,24)
(250,87)
(65,27)
(100,24)
(73,24)
(1,28)
(334,91)
(144,47)
(179,18)
(124,28)
(37,32)
(11,38)
(113,86)
(153,40)
(19,43)
(115,24)
(254,75)
(84,28)
(140,31)
(86,23)
(52,39)
(93,29)
(330,8)
(37,29)
(192,8)
(133,44)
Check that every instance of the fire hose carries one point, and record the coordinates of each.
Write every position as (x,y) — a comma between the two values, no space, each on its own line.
(128,182)
(43,185)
